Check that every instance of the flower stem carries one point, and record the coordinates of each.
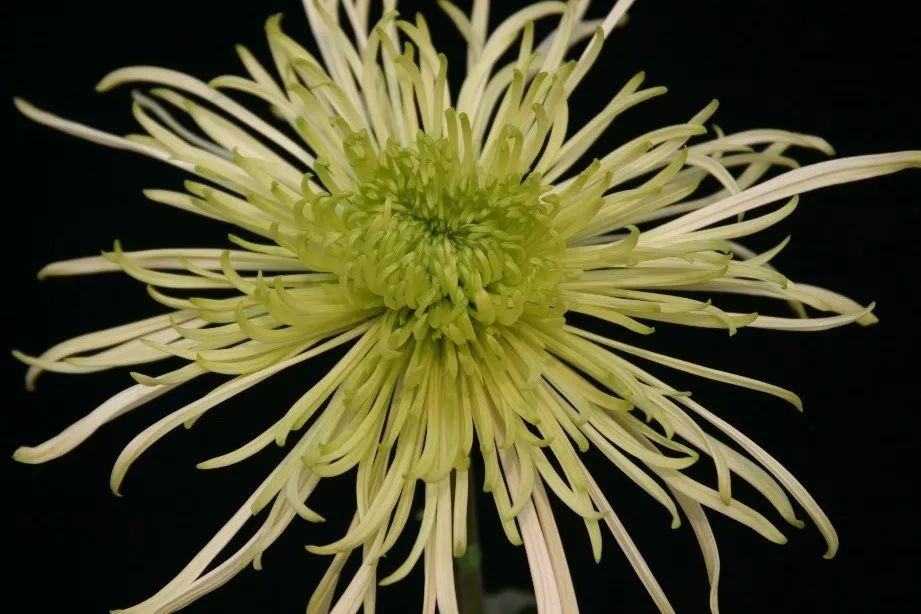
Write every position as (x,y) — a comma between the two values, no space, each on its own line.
(468,573)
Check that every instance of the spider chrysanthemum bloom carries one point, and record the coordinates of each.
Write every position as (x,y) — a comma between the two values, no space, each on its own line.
(442,237)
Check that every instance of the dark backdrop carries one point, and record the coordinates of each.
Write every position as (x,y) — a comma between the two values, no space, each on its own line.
(843,70)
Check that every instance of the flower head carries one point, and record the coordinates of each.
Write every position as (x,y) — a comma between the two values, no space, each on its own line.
(442,237)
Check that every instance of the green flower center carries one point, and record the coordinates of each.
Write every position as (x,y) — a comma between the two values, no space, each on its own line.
(449,245)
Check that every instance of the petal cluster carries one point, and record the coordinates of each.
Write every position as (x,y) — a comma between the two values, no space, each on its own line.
(442,237)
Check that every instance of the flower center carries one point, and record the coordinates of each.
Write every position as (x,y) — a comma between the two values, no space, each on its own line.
(444,241)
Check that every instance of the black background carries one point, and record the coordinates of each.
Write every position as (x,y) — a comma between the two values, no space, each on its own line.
(843,70)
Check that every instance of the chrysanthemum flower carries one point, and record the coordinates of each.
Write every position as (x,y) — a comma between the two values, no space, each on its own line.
(442,237)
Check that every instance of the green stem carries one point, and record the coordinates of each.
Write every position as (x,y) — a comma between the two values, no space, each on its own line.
(468,570)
